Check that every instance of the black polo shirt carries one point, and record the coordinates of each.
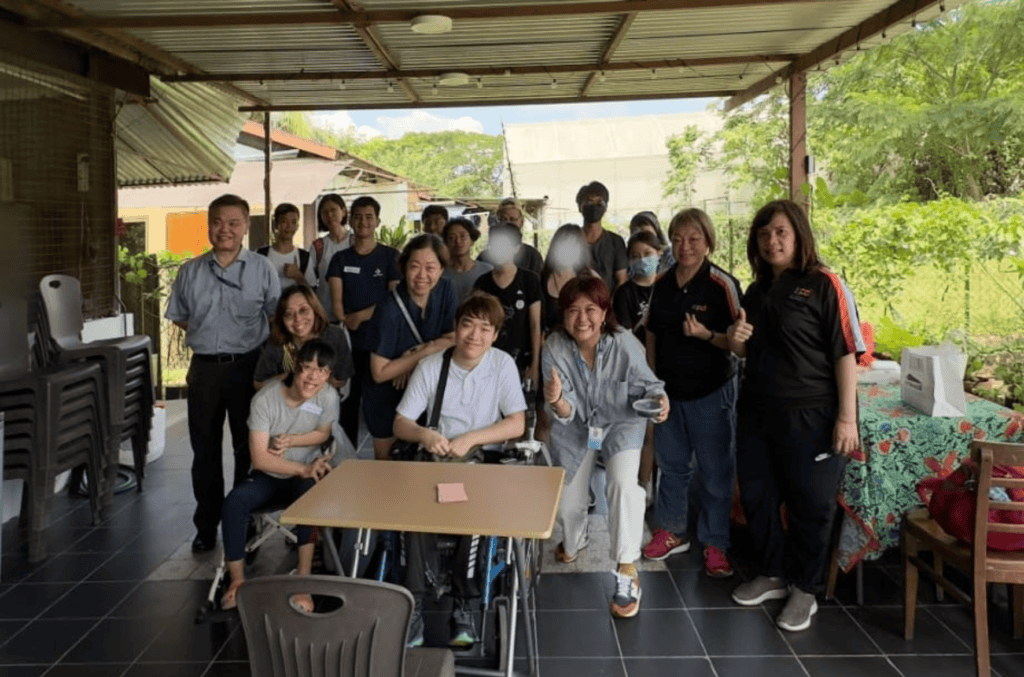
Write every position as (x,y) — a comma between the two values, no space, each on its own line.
(692,367)
(803,323)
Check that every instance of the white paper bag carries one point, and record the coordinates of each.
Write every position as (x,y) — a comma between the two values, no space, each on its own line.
(932,379)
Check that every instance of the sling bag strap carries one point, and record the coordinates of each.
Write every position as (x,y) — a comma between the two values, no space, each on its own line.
(442,381)
(408,317)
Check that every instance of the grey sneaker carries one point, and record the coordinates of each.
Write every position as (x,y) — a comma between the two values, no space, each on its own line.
(759,590)
(415,637)
(796,615)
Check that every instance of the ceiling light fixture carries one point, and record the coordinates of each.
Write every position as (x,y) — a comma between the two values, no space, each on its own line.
(431,24)
(341,85)
(391,88)
(479,83)
(654,73)
(601,76)
(554,83)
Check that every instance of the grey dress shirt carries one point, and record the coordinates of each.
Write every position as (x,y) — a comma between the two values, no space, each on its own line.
(226,308)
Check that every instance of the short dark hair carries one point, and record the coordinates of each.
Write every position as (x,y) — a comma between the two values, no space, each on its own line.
(482,306)
(433,209)
(316,351)
(279,334)
(336,199)
(423,241)
(283,209)
(474,232)
(805,258)
(594,289)
(506,228)
(366,201)
(695,217)
(641,218)
(592,188)
(228,200)
(643,237)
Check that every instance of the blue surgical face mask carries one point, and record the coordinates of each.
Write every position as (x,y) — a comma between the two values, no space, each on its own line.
(644,267)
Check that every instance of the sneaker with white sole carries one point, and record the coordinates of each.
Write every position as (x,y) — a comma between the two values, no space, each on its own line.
(663,544)
(760,590)
(796,615)
(626,601)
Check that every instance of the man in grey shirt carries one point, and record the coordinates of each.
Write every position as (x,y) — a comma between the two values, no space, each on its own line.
(221,299)
(607,249)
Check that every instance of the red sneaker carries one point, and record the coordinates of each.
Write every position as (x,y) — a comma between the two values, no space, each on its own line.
(716,562)
(664,543)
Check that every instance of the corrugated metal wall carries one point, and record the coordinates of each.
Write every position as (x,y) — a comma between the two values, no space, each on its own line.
(57,194)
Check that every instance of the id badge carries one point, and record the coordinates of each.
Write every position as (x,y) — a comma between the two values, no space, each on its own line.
(594,438)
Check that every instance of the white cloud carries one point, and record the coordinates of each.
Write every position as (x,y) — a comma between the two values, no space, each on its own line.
(341,122)
(422,121)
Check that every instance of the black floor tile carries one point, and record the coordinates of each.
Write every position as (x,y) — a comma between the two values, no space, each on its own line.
(658,632)
(14,567)
(746,666)
(849,666)
(104,540)
(184,640)
(879,587)
(659,591)
(935,666)
(90,600)
(885,626)
(25,670)
(738,632)
(700,591)
(691,559)
(115,640)
(576,634)
(126,566)
(161,598)
(582,667)
(9,628)
(574,591)
(28,600)
(229,669)
(235,648)
(668,667)
(960,620)
(168,669)
(69,567)
(832,632)
(43,641)
(1009,665)
(90,670)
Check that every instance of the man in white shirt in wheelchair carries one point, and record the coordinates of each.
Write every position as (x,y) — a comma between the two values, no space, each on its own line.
(483,406)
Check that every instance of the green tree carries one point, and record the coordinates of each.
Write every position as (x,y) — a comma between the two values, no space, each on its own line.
(454,163)
(687,153)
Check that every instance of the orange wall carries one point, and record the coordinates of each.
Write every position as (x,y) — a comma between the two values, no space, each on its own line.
(187,232)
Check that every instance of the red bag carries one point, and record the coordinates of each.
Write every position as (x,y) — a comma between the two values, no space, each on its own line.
(951,504)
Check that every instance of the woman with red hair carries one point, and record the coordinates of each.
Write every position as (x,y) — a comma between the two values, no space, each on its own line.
(594,371)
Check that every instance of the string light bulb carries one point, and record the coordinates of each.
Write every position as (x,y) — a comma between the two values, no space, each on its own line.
(654,73)
(391,87)
(601,76)
(341,85)
(554,83)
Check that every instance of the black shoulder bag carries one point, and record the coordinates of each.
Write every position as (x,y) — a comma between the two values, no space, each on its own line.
(411,451)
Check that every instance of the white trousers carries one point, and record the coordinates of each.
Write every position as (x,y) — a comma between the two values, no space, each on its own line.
(625,506)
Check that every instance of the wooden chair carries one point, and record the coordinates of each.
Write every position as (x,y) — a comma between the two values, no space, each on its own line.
(985,566)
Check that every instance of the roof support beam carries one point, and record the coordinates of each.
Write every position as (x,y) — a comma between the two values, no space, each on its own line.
(369,17)
(609,50)
(376,45)
(486,70)
(798,139)
(900,11)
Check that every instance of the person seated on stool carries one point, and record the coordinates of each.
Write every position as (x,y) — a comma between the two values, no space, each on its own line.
(288,422)
(483,405)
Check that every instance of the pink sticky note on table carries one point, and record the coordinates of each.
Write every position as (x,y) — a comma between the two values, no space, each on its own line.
(451,493)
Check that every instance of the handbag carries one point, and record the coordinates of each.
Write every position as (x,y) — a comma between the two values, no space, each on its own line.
(412,451)
(951,502)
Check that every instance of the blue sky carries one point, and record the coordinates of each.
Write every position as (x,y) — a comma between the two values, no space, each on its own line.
(394,123)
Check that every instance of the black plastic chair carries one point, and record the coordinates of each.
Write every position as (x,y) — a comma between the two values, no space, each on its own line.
(363,637)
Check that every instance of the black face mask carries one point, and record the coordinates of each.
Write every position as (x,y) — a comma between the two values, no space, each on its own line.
(593,212)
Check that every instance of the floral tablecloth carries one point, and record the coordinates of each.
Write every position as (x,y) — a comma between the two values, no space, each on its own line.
(899,446)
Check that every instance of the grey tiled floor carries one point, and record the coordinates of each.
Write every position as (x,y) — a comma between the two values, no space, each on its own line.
(119,600)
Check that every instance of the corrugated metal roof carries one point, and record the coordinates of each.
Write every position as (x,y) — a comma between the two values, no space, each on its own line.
(297,181)
(185,135)
(507,39)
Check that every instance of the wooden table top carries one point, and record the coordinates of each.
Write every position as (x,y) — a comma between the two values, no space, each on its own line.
(504,500)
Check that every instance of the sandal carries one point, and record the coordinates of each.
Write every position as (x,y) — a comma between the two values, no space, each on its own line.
(228,602)
(562,556)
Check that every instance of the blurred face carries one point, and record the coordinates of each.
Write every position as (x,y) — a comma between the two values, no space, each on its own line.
(364,221)
(689,245)
(227,228)
(310,379)
(459,242)
(513,215)
(776,243)
(583,320)
(299,317)
(433,224)
(473,337)
(333,215)
(566,254)
(423,271)
(287,225)
(502,248)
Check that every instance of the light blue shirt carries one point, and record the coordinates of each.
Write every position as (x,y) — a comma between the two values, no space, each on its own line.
(601,397)
(226,308)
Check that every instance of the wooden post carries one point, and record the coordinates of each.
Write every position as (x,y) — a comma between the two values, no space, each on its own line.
(798,139)
(266,174)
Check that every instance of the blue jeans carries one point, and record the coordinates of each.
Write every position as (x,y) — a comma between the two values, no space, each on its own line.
(258,490)
(698,435)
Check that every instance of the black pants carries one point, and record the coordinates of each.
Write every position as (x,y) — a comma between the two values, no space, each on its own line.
(775,452)
(216,389)
(423,565)
(349,418)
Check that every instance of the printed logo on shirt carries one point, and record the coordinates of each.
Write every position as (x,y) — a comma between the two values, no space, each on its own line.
(698,309)
(352,269)
(801,293)
(378,273)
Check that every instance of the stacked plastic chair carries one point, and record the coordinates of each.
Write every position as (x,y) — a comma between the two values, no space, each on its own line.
(126,370)
(55,421)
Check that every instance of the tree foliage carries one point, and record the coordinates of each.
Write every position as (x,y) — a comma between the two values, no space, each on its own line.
(687,151)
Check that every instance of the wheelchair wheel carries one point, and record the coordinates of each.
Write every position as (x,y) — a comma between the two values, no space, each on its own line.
(501,612)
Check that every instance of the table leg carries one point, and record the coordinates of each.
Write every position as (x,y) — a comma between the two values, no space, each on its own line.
(860,583)
(332,550)
(529,617)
